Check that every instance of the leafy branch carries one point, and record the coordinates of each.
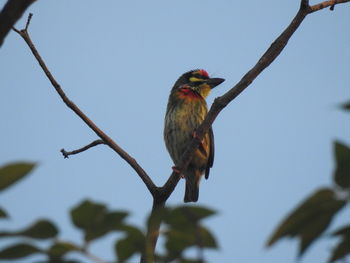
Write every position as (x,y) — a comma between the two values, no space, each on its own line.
(313,216)
(95,220)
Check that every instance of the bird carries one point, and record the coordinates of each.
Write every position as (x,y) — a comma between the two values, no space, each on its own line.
(185,111)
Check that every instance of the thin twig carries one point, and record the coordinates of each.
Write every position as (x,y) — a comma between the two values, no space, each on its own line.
(123,154)
(160,195)
(221,102)
(28,21)
(93,144)
(11,12)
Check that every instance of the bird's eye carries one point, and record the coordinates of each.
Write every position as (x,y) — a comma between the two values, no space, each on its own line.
(201,73)
(200,76)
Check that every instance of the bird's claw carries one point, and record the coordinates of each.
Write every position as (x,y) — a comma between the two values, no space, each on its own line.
(195,135)
(201,142)
(176,170)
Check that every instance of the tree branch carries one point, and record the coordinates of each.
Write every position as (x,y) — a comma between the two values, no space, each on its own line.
(221,102)
(123,154)
(161,194)
(93,144)
(12,11)
(326,4)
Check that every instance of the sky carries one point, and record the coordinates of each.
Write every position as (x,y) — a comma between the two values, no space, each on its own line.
(117,60)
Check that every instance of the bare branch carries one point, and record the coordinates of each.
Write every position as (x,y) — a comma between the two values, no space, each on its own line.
(221,102)
(304,4)
(123,154)
(93,144)
(28,21)
(326,4)
(12,11)
(161,194)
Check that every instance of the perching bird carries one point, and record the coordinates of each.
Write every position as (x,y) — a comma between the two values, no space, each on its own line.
(186,110)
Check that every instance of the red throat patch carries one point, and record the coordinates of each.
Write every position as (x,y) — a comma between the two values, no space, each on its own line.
(187,93)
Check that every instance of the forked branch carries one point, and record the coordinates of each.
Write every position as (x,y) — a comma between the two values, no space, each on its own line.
(267,58)
(9,15)
(161,194)
(105,138)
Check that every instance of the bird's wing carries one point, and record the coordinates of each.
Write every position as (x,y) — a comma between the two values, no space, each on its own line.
(211,153)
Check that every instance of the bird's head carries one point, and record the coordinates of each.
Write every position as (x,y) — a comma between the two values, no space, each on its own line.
(199,81)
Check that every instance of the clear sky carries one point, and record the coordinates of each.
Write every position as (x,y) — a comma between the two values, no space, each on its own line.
(117,60)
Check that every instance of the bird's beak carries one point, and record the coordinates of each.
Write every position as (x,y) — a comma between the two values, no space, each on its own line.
(214,82)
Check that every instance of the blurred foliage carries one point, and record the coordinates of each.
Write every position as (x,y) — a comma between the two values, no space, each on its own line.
(313,216)
(18,251)
(182,229)
(42,229)
(346,106)
(3,213)
(310,219)
(11,173)
(342,170)
(95,220)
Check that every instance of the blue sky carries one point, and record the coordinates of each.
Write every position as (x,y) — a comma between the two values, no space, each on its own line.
(118,61)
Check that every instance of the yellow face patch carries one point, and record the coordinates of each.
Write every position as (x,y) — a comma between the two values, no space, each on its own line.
(204,90)
(194,79)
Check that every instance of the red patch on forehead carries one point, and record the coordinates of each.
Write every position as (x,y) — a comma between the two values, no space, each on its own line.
(203,73)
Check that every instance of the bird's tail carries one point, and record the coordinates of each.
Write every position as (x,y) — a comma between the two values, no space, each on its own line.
(192,187)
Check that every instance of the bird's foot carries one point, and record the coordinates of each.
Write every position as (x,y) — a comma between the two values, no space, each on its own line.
(195,135)
(176,170)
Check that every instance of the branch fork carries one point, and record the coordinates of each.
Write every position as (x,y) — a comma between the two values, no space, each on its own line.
(161,194)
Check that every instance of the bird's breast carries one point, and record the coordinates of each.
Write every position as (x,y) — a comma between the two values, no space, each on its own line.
(182,119)
(188,94)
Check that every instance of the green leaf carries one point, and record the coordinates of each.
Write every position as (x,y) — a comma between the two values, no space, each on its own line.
(3,213)
(133,243)
(196,213)
(345,106)
(341,250)
(95,220)
(343,247)
(206,239)
(19,251)
(11,173)
(59,249)
(177,241)
(312,230)
(342,171)
(187,216)
(85,215)
(310,219)
(124,249)
(344,231)
(42,229)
